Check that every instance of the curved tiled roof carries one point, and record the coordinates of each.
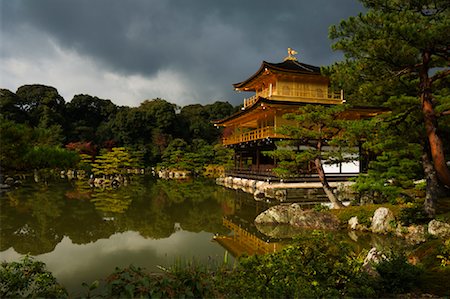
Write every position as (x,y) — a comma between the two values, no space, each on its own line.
(287,66)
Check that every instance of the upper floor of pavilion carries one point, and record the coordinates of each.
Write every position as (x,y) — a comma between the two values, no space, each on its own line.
(289,81)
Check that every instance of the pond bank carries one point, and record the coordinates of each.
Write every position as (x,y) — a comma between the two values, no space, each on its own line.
(382,221)
(310,192)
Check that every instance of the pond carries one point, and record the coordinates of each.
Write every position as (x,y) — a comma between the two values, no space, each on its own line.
(83,234)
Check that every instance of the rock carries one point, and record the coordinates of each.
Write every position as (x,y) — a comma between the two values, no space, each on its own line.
(381,220)
(439,229)
(353,222)
(9,181)
(280,214)
(258,195)
(296,217)
(5,186)
(373,258)
(280,231)
(280,195)
(315,220)
(416,234)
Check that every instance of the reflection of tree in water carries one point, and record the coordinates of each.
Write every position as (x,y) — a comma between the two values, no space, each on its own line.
(32,228)
(193,204)
(110,201)
(34,219)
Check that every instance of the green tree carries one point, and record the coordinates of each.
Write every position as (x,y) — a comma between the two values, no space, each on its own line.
(117,161)
(160,113)
(51,157)
(15,142)
(11,106)
(174,155)
(88,117)
(400,48)
(316,126)
(396,150)
(43,104)
(198,119)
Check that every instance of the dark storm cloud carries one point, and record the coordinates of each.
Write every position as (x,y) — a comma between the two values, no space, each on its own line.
(213,43)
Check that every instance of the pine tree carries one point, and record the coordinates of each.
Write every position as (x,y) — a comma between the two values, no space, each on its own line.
(316,126)
(400,48)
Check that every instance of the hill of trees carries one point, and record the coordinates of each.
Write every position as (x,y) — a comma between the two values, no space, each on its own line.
(40,129)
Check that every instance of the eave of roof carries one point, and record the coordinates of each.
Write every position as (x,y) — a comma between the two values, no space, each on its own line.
(257,104)
(287,66)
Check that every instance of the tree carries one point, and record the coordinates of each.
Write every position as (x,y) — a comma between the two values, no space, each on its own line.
(88,117)
(11,107)
(160,114)
(395,150)
(116,162)
(43,104)
(399,48)
(317,126)
(15,142)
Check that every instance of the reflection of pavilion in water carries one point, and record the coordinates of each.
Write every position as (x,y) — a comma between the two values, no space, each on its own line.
(245,239)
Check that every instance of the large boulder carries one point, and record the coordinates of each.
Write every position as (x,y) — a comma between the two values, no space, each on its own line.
(296,217)
(279,231)
(382,220)
(280,214)
(439,229)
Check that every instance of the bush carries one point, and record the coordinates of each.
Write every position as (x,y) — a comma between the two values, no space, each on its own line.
(316,267)
(28,279)
(189,281)
(45,156)
(444,254)
(413,214)
(397,276)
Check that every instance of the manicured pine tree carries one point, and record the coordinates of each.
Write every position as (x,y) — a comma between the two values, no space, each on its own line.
(400,48)
(316,126)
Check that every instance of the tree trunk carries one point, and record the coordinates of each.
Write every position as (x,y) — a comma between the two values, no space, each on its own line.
(432,187)
(436,146)
(337,204)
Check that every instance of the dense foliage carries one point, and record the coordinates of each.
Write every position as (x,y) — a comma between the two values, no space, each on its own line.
(316,127)
(40,130)
(396,55)
(28,279)
(317,266)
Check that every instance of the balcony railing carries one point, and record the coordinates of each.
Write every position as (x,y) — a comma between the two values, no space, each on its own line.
(298,95)
(257,134)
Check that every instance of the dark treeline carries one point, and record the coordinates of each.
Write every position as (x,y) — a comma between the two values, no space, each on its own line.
(38,117)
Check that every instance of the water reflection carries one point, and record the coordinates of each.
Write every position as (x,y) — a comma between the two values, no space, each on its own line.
(243,241)
(82,234)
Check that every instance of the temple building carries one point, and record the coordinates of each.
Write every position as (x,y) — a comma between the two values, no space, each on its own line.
(279,88)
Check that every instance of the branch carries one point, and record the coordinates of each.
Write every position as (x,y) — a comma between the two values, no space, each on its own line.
(408,69)
(446,112)
(440,75)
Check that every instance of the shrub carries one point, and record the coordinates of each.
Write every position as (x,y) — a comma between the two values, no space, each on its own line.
(444,254)
(188,281)
(413,214)
(319,266)
(28,279)
(397,275)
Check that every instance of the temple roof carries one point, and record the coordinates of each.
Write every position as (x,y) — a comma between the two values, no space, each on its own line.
(287,66)
(354,112)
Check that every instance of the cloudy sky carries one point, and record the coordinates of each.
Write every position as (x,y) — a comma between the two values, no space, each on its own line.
(185,51)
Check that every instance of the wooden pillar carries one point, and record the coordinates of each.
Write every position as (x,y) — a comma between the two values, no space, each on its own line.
(258,152)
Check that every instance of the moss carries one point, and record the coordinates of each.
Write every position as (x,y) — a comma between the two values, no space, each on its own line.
(364,213)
